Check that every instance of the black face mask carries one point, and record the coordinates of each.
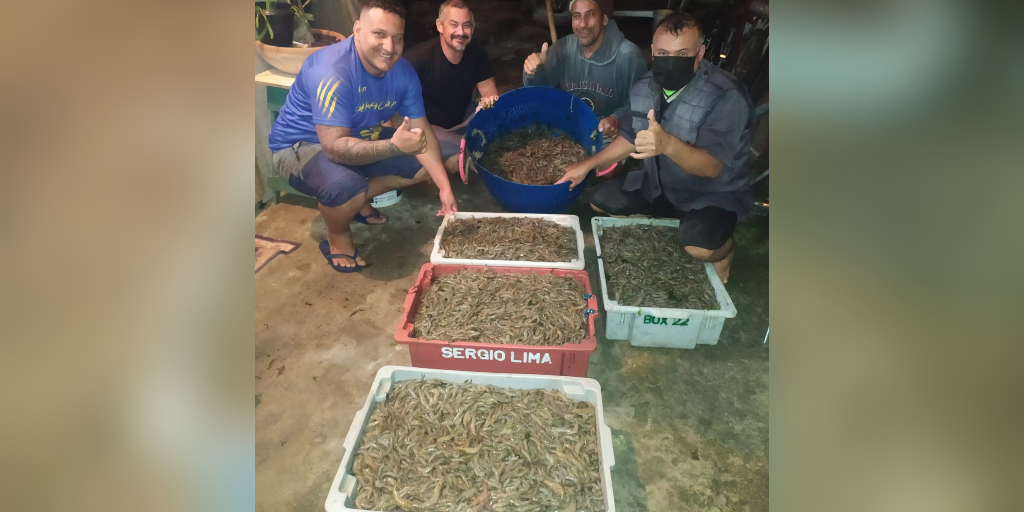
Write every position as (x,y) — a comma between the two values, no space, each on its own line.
(672,73)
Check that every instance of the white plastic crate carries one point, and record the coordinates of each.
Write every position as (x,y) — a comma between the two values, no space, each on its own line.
(437,255)
(341,497)
(660,327)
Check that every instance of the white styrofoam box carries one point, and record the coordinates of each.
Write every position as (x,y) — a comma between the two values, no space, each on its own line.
(660,327)
(437,255)
(341,497)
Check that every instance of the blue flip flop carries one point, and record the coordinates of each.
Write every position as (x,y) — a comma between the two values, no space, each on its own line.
(325,249)
(365,219)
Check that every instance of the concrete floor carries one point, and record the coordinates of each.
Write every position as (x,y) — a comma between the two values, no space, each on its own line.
(690,426)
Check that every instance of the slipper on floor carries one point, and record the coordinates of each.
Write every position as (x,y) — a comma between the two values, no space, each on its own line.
(365,219)
(325,249)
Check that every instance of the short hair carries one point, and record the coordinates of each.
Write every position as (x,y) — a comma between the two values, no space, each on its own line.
(458,4)
(391,6)
(675,23)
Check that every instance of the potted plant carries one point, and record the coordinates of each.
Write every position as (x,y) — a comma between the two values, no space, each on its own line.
(302,39)
(274,22)
(302,35)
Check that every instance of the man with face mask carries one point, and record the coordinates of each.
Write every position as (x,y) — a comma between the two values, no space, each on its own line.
(452,66)
(691,124)
(596,63)
(331,142)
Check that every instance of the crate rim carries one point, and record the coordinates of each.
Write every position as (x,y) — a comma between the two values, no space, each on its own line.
(727,309)
(588,344)
(578,263)
(335,496)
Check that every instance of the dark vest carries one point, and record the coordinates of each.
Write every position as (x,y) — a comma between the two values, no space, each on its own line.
(684,118)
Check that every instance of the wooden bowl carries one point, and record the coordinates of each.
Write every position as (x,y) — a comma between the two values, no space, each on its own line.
(290,60)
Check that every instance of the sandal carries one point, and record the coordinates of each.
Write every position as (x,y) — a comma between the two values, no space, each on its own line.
(365,219)
(325,249)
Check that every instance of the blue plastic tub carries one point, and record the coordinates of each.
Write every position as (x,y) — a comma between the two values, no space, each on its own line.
(521,108)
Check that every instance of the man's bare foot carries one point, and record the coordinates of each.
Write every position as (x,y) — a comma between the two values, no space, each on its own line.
(722,266)
(343,244)
(373,216)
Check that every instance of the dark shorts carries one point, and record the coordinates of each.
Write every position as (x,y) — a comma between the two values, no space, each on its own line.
(307,169)
(708,228)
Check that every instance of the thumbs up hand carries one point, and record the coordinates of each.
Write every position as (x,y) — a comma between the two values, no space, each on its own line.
(653,141)
(536,60)
(410,142)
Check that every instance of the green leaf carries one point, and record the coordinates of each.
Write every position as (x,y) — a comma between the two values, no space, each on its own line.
(266,27)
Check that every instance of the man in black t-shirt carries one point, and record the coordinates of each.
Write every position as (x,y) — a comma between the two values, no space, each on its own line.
(451,66)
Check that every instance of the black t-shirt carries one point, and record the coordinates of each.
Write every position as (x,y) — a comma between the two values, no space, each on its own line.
(448,88)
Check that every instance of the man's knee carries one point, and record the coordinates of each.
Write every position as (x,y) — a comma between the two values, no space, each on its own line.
(707,233)
(339,189)
(700,253)
(603,194)
(449,143)
(331,184)
(422,176)
(341,194)
(452,164)
(355,203)
(601,191)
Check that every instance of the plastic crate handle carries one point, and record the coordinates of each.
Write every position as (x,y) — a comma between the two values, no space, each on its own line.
(462,154)
(353,432)
(606,438)
(608,170)
(462,161)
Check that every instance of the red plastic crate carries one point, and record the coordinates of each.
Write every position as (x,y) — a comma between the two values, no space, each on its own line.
(570,359)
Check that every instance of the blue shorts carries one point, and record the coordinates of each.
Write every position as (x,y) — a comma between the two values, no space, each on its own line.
(307,169)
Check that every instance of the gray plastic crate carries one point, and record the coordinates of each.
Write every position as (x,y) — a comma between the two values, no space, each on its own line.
(341,497)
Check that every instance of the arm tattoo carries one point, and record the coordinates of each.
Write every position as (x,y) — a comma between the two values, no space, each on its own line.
(344,149)
(352,151)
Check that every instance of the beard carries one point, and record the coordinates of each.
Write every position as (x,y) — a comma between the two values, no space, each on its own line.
(460,43)
(586,38)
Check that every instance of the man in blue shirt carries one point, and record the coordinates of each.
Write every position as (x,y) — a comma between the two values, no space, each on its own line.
(690,122)
(332,138)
